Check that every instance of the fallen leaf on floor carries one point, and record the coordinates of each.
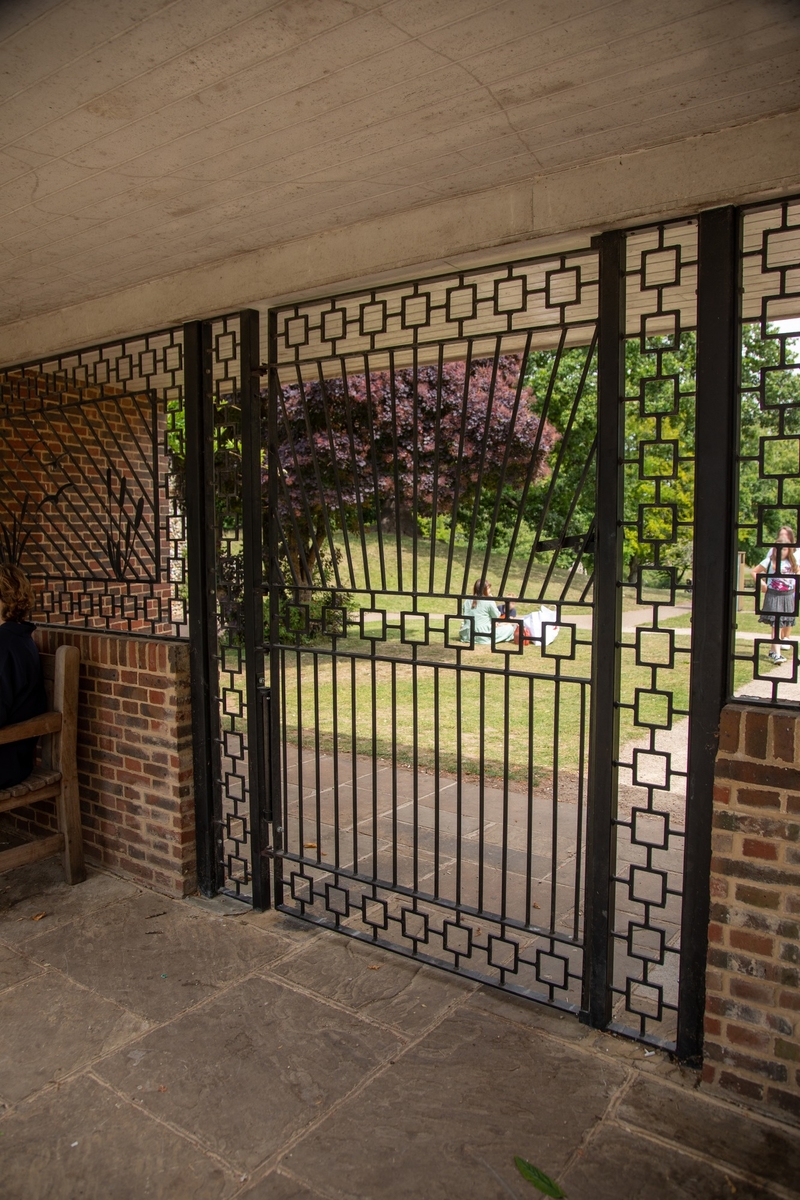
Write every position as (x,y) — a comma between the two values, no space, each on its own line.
(162,1088)
(535,905)
(38,916)
(538,1178)
(376,967)
(310,845)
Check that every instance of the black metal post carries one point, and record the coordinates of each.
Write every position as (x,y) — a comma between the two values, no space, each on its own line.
(252,525)
(606,631)
(275,582)
(714,520)
(198,396)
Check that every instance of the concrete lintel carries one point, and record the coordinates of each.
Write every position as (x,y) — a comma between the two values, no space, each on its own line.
(535,215)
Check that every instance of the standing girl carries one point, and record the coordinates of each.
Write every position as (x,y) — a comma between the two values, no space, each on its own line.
(778,603)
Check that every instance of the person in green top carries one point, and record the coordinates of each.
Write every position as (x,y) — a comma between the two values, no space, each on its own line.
(479,612)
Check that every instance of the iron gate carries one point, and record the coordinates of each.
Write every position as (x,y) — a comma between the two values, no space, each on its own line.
(516,812)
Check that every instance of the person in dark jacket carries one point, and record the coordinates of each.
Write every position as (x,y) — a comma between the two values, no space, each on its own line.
(22,693)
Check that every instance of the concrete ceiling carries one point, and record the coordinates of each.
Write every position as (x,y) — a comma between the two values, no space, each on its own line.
(144,137)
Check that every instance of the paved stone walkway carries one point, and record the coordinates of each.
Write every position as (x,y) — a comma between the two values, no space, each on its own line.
(162,1049)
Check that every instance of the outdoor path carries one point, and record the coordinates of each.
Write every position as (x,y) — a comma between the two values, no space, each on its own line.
(170,1049)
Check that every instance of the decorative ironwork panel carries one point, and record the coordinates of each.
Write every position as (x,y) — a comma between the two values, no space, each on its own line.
(428,435)
(91,490)
(765,647)
(232,697)
(654,654)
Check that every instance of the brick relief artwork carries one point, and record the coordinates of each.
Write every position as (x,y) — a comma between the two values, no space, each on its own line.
(91,505)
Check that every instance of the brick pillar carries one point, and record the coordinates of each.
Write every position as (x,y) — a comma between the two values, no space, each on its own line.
(752,1040)
(134,758)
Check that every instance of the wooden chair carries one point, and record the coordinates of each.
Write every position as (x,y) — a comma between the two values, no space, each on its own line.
(57,775)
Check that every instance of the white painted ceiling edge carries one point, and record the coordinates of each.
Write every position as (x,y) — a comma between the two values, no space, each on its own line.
(742,164)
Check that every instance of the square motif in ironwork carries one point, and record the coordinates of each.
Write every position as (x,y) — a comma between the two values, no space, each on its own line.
(509,295)
(334,325)
(660,268)
(513,647)
(770,519)
(462,303)
(562,646)
(416,311)
(658,460)
(651,768)
(658,523)
(334,621)
(298,618)
(645,943)
(655,647)
(372,624)
(414,925)
(233,745)
(295,332)
(232,702)
(650,828)
(658,580)
(779,457)
(302,888)
(503,953)
(562,287)
(659,395)
(452,633)
(659,331)
(648,886)
(235,828)
(372,318)
(337,900)
(652,708)
(414,629)
(374,912)
(775,673)
(644,999)
(781,248)
(457,938)
(225,347)
(552,968)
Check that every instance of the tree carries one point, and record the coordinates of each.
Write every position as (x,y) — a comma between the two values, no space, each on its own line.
(397,446)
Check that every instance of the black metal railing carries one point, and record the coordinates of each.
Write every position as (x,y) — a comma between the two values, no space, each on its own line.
(765,658)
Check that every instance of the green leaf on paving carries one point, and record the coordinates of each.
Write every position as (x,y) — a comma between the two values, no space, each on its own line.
(538,1178)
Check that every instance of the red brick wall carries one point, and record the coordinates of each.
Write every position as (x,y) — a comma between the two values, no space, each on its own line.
(752,1042)
(134,758)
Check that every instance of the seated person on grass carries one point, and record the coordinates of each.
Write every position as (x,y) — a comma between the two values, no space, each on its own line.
(482,609)
(22,693)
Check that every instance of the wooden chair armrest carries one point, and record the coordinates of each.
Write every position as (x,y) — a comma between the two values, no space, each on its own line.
(49,722)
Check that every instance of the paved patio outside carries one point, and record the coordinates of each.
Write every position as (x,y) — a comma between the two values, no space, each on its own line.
(169,1049)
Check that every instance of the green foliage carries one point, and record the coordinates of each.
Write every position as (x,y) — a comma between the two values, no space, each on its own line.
(538,1178)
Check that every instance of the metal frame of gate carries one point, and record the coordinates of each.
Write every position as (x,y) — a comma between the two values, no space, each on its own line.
(637,952)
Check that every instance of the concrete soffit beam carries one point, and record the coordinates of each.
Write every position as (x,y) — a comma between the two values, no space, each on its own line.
(535,215)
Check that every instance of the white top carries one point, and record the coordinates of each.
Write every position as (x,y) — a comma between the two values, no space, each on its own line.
(774,582)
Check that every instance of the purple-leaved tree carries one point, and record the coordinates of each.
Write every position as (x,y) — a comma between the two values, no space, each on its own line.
(389,446)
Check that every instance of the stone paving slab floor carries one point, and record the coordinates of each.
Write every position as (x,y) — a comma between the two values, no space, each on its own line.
(164,1049)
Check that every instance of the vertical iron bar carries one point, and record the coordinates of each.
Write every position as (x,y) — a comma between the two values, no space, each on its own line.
(714,515)
(200,519)
(252,527)
(274,808)
(606,627)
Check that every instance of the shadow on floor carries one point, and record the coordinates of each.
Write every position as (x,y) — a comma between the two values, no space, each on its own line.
(170,1049)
